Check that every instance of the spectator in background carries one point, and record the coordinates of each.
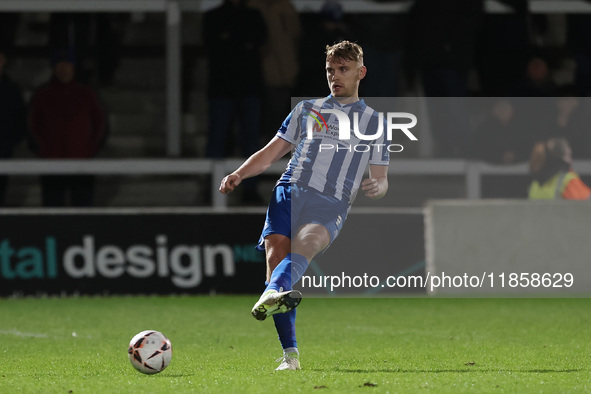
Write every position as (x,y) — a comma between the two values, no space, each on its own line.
(384,37)
(327,26)
(572,120)
(536,109)
(332,17)
(279,59)
(509,132)
(13,119)
(494,141)
(510,56)
(234,34)
(442,45)
(505,46)
(9,22)
(93,36)
(66,122)
(538,80)
(552,173)
(578,33)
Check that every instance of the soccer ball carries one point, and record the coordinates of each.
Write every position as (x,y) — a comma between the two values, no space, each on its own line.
(150,352)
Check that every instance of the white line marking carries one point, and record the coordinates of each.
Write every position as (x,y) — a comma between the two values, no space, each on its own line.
(22,334)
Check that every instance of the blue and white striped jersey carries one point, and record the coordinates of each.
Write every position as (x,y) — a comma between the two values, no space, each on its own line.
(326,163)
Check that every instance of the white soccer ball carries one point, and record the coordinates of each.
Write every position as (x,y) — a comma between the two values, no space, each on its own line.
(150,352)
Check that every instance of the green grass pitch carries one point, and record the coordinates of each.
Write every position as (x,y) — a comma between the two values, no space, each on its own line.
(403,345)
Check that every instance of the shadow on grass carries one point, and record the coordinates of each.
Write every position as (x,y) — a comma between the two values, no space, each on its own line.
(176,375)
(463,370)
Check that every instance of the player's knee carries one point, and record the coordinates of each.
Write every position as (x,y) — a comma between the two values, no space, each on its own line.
(310,244)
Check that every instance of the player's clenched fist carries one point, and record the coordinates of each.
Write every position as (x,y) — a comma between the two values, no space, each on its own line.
(371,187)
(230,182)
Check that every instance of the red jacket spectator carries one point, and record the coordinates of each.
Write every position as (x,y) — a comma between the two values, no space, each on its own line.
(66,120)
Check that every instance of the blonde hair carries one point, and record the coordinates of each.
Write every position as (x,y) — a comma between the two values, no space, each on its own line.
(344,50)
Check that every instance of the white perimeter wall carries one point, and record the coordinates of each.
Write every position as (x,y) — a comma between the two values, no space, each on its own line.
(509,236)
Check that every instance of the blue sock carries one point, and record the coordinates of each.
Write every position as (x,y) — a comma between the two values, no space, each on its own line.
(284,276)
(288,272)
(285,326)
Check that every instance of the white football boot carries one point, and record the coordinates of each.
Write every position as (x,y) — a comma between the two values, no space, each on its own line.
(289,362)
(273,301)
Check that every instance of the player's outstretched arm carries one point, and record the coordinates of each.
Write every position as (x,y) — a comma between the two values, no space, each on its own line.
(376,185)
(256,164)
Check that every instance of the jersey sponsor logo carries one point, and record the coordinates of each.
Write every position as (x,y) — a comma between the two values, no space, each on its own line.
(339,129)
(316,122)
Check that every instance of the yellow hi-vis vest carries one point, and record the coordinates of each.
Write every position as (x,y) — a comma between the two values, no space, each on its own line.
(552,188)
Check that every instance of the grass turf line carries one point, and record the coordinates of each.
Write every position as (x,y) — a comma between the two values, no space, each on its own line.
(347,345)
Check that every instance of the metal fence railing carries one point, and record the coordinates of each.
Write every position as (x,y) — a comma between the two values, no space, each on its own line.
(471,171)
